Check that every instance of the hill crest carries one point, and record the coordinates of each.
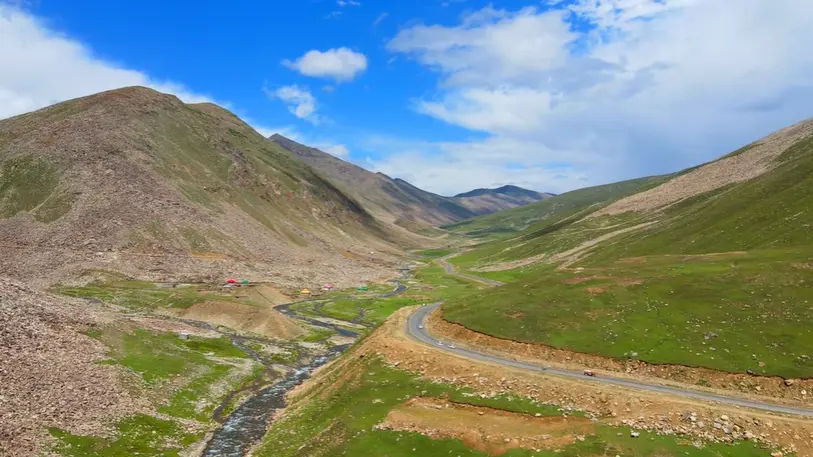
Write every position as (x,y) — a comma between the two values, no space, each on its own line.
(136,181)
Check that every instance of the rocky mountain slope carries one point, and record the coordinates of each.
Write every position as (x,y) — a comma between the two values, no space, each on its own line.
(486,201)
(137,181)
(50,371)
(399,202)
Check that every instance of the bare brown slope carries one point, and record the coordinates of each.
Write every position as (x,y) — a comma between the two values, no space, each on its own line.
(394,200)
(742,165)
(136,181)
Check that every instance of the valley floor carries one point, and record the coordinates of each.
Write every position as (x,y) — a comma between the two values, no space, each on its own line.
(390,394)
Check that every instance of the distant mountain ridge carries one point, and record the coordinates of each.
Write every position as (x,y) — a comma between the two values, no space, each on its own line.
(504,190)
(487,201)
(397,201)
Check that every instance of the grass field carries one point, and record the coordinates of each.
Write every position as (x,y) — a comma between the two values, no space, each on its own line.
(341,422)
(665,309)
(142,295)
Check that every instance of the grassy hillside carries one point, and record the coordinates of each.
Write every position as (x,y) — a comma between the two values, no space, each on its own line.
(720,280)
(512,221)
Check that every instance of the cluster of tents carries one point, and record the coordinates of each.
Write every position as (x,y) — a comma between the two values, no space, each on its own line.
(326,288)
(230,283)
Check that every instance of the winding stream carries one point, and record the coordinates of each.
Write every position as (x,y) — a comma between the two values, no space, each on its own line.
(246,426)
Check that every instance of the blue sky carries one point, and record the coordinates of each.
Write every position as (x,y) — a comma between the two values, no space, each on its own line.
(448,94)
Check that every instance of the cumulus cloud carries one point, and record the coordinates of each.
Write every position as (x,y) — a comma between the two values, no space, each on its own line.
(301,103)
(647,86)
(449,168)
(341,64)
(39,67)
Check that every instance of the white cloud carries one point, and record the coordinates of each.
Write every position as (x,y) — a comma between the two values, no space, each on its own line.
(341,64)
(449,168)
(301,103)
(338,150)
(344,3)
(651,86)
(39,67)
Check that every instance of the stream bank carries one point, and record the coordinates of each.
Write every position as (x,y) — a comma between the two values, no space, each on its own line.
(246,425)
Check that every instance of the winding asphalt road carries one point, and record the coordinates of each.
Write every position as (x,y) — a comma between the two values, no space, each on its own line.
(415,329)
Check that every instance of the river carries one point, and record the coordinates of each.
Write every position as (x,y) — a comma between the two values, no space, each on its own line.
(246,426)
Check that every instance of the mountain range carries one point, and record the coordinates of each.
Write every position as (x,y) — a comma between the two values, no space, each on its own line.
(139,182)
(401,203)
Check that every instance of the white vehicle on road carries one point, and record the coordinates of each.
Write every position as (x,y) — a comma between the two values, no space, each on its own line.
(420,326)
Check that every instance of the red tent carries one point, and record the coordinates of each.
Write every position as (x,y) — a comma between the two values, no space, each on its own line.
(230,281)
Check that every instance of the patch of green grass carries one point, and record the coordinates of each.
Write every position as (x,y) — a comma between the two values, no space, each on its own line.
(343,309)
(342,422)
(317,334)
(186,403)
(434,253)
(732,312)
(181,372)
(139,295)
(371,311)
(218,347)
(428,284)
(289,357)
(516,274)
(54,207)
(25,183)
(197,241)
(433,284)
(137,435)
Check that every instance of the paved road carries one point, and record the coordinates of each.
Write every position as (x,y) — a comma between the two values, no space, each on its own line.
(450,269)
(414,329)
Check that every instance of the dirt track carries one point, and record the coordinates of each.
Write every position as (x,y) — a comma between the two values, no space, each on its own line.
(450,269)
